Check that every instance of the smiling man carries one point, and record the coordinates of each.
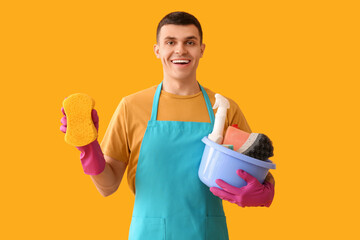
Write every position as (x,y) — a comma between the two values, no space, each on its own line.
(156,134)
(180,48)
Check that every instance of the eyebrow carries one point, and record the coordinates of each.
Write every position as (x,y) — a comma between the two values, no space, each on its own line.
(187,38)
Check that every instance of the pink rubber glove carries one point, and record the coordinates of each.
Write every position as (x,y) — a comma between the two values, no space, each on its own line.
(92,158)
(254,194)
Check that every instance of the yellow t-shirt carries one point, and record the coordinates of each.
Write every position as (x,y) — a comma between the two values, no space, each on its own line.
(123,137)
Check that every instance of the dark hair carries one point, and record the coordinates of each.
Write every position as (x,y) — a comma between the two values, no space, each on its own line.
(179,18)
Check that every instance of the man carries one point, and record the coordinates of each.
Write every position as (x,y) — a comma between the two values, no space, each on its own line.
(156,134)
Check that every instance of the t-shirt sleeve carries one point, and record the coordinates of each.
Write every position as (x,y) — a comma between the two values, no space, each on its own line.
(115,143)
(236,116)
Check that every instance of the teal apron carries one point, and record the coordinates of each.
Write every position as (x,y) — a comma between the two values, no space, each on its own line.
(170,201)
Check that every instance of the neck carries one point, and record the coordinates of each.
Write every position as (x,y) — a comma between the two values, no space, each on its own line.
(181,87)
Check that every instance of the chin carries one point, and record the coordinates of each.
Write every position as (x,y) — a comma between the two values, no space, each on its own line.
(180,76)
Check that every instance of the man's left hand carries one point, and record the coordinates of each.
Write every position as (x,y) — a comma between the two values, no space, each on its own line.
(254,194)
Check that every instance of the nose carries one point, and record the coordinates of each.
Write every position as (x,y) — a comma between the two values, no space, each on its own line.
(180,49)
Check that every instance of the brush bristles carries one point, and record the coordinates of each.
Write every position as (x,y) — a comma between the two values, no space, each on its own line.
(261,149)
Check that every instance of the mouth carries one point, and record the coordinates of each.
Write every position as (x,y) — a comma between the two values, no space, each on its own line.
(181,61)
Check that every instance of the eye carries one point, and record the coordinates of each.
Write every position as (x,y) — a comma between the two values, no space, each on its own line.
(170,43)
(190,43)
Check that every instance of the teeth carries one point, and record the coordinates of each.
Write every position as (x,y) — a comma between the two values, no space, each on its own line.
(180,61)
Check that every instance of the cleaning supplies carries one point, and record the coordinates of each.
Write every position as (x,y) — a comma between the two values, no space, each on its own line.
(219,162)
(254,145)
(80,127)
(222,104)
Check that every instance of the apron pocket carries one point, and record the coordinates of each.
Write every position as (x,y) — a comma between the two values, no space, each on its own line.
(216,228)
(147,229)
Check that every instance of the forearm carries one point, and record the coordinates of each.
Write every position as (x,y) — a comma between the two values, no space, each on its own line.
(108,181)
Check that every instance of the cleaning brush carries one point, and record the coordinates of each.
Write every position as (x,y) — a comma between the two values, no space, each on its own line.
(256,145)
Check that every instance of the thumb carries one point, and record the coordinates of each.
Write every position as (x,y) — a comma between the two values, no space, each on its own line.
(247,177)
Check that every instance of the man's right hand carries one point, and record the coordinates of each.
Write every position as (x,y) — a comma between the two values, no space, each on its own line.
(92,158)
(94,116)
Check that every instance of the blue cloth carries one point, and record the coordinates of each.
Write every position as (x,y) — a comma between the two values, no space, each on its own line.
(171,203)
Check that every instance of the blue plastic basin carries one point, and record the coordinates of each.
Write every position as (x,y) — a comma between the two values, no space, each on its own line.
(219,162)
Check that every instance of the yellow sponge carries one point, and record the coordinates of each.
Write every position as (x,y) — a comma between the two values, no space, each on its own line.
(80,127)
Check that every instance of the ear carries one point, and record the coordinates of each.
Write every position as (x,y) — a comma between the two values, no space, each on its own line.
(156,50)
(202,49)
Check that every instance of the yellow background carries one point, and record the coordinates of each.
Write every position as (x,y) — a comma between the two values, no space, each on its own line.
(292,66)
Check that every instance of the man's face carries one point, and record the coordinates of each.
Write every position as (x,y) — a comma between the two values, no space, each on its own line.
(180,50)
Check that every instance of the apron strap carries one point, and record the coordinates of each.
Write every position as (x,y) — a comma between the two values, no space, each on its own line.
(154,110)
(208,105)
(156,102)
